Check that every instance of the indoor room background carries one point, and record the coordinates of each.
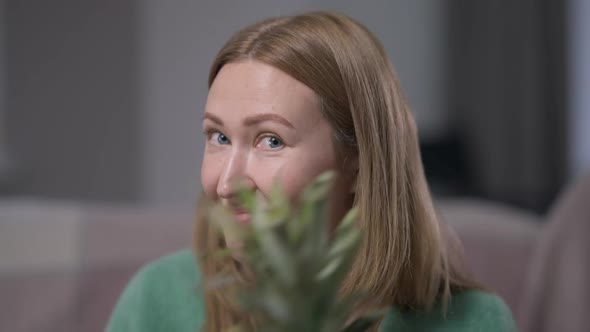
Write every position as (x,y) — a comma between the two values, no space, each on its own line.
(100,136)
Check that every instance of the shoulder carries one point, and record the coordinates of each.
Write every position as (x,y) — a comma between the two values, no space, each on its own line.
(480,307)
(482,311)
(163,295)
(179,266)
(471,310)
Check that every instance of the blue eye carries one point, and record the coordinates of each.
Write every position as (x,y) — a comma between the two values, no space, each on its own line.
(273,142)
(220,138)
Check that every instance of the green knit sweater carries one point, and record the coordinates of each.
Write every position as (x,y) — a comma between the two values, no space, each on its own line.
(165,296)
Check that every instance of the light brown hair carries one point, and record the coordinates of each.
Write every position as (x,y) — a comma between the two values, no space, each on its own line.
(405,259)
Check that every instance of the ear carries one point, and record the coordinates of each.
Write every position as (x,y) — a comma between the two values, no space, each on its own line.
(351,169)
(353,184)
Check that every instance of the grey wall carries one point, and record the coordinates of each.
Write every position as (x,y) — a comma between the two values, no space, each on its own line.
(104,98)
(2,51)
(579,85)
(71,97)
(180,38)
(2,99)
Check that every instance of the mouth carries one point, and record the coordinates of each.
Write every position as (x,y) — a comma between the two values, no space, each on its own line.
(240,212)
(242,216)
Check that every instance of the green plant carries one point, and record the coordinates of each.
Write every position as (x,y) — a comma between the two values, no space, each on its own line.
(297,262)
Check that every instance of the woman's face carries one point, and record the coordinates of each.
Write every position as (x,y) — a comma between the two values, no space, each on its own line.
(261,125)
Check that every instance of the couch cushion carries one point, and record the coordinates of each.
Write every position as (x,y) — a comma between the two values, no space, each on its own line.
(498,241)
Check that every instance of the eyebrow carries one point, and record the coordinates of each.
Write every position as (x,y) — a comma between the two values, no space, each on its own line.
(253,120)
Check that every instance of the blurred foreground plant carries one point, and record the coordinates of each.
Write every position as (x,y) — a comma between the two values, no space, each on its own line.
(298,264)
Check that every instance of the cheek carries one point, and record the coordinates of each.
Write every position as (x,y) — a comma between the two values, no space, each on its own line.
(295,176)
(293,172)
(263,172)
(209,178)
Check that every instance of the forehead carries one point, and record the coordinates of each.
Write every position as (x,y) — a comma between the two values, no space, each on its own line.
(252,86)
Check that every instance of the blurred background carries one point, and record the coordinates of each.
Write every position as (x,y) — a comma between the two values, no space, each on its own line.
(100,140)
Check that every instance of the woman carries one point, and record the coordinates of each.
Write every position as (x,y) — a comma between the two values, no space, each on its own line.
(290,98)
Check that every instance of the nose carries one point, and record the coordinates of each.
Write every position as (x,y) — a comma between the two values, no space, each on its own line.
(234,176)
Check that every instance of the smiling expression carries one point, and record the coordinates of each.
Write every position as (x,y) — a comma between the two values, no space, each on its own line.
(260,125)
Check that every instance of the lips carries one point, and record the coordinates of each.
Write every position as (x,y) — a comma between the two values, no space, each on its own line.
(241,214)
(242,217)
(239,211)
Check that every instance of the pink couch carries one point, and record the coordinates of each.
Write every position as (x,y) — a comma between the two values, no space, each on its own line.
(90,265)
(72,283)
